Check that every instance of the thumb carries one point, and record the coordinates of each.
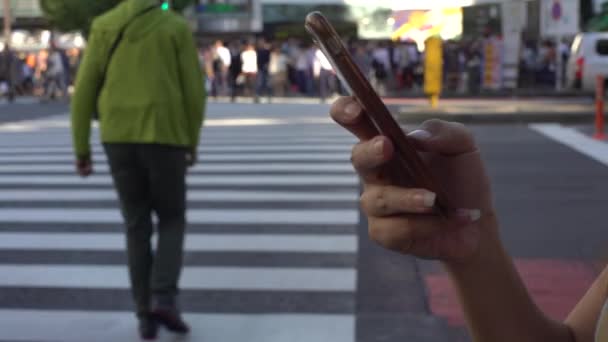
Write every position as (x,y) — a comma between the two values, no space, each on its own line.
(442,137)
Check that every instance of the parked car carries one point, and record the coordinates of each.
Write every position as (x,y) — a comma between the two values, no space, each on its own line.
(588,59)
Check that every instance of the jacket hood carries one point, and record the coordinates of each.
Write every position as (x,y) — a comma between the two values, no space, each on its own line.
(128,10)
(137,6)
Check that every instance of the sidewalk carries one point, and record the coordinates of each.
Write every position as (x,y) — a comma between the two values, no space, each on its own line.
(562,110)
(569,110)
(504,94)
(20,100)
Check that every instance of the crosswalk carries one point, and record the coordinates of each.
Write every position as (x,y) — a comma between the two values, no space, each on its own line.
(271,246)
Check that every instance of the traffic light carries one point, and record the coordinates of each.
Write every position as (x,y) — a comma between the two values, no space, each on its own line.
(165,6)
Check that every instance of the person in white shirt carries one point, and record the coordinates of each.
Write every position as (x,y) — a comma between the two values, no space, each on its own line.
(401,61)
(325,72)
(221,63)
(250,68)
(303,71)
(382,56)
(278,72)
(311,57)
(55,75)
(224,53)
(381,65)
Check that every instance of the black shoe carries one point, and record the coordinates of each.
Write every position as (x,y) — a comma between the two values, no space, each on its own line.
(148,328)
(172,320)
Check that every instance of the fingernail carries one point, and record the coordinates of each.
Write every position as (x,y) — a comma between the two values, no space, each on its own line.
(470,214)
(475,215)
(419,134)
(379,147)
(426,199)
(352,111)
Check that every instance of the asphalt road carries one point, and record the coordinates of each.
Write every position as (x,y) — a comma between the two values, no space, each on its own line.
(29,109)
(550,199)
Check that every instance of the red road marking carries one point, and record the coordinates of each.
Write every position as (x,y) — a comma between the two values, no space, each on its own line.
(555,285)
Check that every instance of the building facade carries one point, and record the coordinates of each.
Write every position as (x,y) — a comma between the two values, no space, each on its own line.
(25,14)
(363,19)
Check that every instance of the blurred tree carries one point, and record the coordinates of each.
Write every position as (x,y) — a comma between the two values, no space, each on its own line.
(180,5)
(587,12)
(74,15)
(600,21)
(77,15)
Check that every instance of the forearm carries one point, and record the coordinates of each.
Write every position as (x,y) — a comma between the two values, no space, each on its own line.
(496,303)
(584,318)
(197,118)
(84,101)
(195,96)
(81,122)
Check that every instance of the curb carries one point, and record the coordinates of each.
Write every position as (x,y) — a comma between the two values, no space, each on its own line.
(501,118)
(521,94)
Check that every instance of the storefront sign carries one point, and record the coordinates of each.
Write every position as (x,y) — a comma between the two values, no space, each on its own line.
(492,63)
(560,17)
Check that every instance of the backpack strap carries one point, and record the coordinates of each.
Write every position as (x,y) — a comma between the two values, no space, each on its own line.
(112,50)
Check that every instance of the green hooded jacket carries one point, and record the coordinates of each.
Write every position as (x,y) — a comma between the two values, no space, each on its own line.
(154,89)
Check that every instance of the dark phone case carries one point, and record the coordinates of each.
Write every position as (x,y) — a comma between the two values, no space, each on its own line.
(409,162)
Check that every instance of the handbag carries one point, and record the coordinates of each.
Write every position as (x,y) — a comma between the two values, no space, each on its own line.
(241,79)
(113,48)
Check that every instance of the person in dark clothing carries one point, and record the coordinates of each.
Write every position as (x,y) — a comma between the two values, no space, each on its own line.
(451,66)
(235,70)
(474,72)
(263,79)
(8,71)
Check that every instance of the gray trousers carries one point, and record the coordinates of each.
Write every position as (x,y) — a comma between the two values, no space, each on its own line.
(150,179)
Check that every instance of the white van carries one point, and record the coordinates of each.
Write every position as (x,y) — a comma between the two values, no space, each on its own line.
(588,59)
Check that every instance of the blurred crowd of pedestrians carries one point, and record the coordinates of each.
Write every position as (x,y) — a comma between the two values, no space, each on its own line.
(539,62)
(48,74)
(262,68)
(298,68)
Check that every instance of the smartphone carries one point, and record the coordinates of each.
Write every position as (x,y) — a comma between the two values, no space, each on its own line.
(412,169)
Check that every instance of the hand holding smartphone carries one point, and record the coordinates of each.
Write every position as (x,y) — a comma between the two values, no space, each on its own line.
(411,166)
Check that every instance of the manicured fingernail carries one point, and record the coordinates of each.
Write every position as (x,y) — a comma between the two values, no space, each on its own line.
(475,215)
(379,147)
(352,111)
(426,199)
(470,214)
(419,134)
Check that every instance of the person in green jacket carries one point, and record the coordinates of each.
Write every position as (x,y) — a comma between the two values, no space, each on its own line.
(150,102)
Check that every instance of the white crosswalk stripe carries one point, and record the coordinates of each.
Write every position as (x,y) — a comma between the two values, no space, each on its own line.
(195,242)
(317,168)
(292,156)
(270,252)
(104,326)
(88,195)
(203,151)
(193,180)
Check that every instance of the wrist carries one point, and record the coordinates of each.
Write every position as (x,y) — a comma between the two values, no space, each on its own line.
(489,280)
(489,246)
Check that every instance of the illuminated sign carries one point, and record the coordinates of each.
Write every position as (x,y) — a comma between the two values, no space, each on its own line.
(213,16)
(418,26)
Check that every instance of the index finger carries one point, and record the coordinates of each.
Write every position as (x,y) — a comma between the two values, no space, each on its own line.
(347,112)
